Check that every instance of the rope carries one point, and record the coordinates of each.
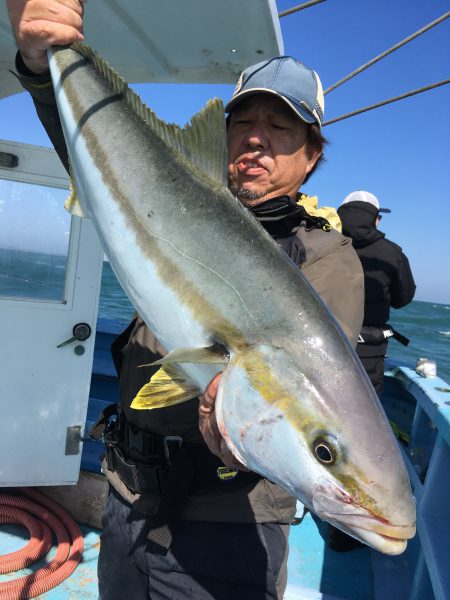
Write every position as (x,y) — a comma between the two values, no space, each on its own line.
(389,51)
(22,509)
(378,104)
(295,9)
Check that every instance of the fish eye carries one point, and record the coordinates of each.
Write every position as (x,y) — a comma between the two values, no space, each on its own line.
(326,450)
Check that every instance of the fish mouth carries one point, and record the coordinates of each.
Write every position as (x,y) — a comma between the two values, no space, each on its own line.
(341,510)
(383,536)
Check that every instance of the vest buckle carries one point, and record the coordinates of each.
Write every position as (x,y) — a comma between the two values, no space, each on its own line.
(171,443)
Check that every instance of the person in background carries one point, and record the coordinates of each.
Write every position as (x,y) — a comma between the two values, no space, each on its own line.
(170,466)
(388,279)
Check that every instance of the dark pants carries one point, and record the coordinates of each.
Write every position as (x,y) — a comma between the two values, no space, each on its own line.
(206,561)
(374,367)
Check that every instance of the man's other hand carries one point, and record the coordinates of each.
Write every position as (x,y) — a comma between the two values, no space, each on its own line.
(210,430)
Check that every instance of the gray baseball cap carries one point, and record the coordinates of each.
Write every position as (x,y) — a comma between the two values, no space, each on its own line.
(287,78)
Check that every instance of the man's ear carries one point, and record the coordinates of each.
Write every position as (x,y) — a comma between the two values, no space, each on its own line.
(312,161)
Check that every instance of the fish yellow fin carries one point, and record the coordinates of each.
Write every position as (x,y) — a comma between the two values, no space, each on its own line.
(213,355)
(72,204)
(168,386)
(202,142)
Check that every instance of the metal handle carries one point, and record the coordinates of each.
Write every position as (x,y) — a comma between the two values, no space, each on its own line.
(81,332)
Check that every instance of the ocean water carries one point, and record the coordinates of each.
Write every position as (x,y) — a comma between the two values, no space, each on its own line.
(34,275)
(426,324)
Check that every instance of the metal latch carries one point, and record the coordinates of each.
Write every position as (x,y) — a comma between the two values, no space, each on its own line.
(81,332)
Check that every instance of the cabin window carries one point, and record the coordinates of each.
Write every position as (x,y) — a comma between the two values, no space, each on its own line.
(34,241)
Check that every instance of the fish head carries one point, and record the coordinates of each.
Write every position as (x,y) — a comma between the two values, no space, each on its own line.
(324,437)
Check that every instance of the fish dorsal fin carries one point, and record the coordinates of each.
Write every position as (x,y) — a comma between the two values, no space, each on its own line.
(213,355)
(168,386)
(202,142)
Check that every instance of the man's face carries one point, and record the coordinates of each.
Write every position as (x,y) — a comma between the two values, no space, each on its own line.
(266,150)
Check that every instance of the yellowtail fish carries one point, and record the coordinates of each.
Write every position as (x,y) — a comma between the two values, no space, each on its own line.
(294,403)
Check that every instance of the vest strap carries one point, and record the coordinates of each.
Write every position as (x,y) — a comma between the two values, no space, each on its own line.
(177,486)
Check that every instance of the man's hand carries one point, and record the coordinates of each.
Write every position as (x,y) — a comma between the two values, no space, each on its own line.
(39,24)
(210,430)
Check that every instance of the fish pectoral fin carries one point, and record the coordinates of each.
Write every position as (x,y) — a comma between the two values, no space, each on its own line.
(212,355)
(72,204)
(168,386)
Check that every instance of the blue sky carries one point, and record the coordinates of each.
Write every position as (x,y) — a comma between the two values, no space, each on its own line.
(400,152)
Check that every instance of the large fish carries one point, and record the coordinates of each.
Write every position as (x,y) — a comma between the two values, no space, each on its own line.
(294,403)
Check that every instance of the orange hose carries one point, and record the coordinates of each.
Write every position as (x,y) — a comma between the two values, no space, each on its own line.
(50,517)
(39,544)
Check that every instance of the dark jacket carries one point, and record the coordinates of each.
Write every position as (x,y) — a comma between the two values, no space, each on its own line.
(387,275)
(332,267)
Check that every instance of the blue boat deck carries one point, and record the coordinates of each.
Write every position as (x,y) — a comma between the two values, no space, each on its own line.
(316,571)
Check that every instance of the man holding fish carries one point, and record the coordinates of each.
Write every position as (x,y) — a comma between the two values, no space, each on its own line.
(183,520)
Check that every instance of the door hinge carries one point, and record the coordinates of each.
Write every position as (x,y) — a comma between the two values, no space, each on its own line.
(73,439)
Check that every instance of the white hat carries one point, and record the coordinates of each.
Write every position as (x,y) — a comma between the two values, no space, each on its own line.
(361,196)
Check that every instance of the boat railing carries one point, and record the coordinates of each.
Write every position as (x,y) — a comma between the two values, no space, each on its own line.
(427,454)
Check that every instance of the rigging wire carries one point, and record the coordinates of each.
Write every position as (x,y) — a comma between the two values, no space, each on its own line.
(389,51)
(378,104)
(294,9)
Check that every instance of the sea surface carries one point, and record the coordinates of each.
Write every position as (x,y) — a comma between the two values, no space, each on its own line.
(34,275)
(425,324)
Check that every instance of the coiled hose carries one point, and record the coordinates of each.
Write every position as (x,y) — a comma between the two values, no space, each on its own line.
(19,508)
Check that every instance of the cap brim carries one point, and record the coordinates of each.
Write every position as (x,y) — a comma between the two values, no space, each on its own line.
(300,111)
(384,210)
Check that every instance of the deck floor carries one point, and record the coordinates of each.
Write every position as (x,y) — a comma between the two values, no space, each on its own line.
(316,571)
(81,585)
